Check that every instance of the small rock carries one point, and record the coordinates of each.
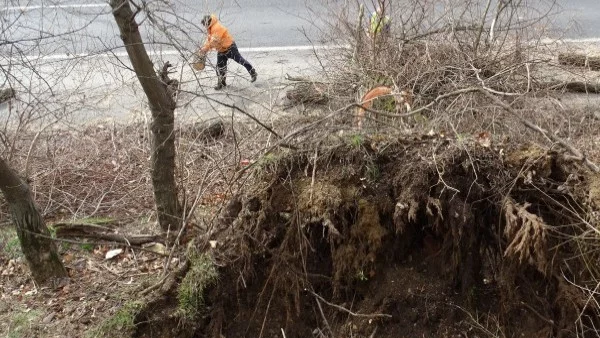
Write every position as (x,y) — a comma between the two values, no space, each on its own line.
(48,318)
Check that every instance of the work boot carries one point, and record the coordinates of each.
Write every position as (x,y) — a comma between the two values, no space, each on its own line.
(221,83)
(253,75)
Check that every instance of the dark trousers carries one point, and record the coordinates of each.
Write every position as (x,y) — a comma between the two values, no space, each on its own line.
(234,54)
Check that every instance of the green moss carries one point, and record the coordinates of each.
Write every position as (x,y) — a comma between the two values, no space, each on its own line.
(190,294)
(270,161)
(361,276)
(121,324)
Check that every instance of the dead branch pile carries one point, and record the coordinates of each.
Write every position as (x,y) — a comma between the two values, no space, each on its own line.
(437,61)
(103,233)
(103,170)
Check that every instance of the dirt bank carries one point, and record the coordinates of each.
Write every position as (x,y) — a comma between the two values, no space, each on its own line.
(420,237)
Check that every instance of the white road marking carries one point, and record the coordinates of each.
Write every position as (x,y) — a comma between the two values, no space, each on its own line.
(251,50)
(175,52)
(578,40)
(30,8)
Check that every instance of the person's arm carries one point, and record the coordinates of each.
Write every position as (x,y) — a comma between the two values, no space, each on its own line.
(207,45)
(212,40)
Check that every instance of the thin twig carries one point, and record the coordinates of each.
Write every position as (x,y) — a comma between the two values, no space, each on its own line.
(481,26)
(445,29)
(323,316)
(341,308)
(185,221)
(155,286)
(242,111)
(549,321)
(441,97)
(477,71)
(71,241)
(31,146)
(314,171)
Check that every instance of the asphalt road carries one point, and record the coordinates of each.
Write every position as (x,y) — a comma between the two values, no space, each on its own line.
(272,34)
(87,26)
(580,17)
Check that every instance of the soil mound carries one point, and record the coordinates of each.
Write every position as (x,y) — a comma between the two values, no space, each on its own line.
(421,237)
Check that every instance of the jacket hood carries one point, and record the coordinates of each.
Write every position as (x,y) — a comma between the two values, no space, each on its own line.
(213,20)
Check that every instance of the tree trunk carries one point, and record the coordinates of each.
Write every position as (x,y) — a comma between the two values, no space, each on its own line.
(37,245)
(162,107)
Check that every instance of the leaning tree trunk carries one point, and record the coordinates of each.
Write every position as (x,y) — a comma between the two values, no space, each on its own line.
(37,245)
(162,107)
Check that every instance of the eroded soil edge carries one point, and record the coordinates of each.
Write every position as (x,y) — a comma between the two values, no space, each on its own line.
(419,237)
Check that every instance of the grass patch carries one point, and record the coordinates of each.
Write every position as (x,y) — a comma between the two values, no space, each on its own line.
(357,140)
(89,247)
(190,295)
(52,231)
(21,324)
(95,220)
(268,161)
(372,172)
(10,244)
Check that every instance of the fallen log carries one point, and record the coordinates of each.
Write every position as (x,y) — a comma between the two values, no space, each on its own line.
(574,86)
(579,60)
(93,231)
(306,91)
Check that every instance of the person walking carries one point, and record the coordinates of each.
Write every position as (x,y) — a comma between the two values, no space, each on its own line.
(219,39)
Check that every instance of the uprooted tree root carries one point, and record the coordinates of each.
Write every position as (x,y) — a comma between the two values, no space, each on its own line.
(427,237)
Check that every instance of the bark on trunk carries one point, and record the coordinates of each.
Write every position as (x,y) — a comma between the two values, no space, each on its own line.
(162,107)
(37,246)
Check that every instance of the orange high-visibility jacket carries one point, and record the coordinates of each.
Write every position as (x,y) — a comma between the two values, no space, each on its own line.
(218,36)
